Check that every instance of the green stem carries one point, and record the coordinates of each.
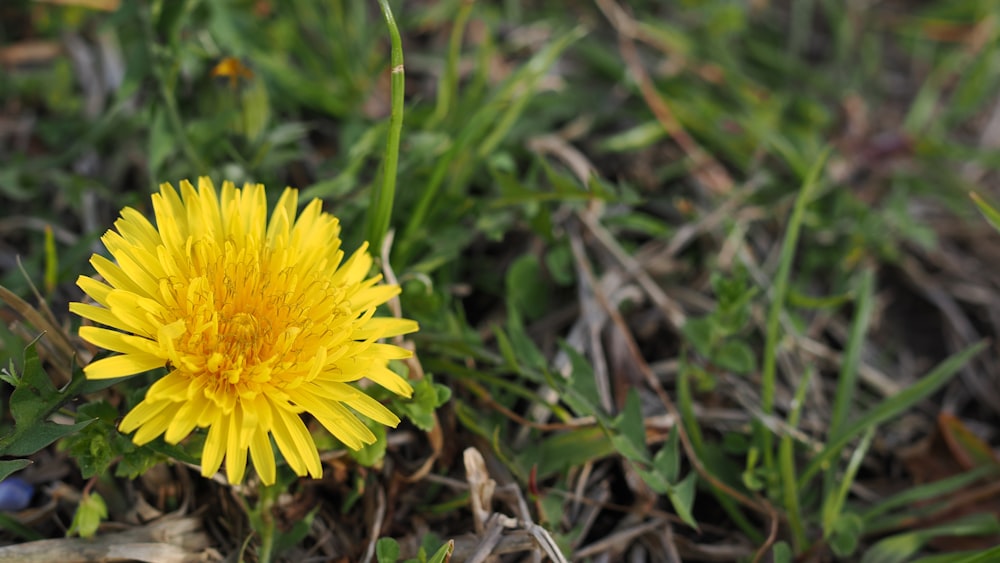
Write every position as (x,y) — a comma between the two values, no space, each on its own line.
(843,399)
(265,525)
(380,211)
(448,88)
(786,460)
(266,544)
(780,291)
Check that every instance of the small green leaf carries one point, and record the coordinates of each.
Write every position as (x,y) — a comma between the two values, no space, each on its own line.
(371,454)
(582,395)
(751,476)
(736,356)
(632,440)
(386,550)
(443,553)
(35,395)
(682,498)
(161,142)
(654,479)
(847,532)
(420,408)
(88,516)
(9,466)
(559,263)
(527,290)
(699,333)
(524,347)
(668,460)
(782,553)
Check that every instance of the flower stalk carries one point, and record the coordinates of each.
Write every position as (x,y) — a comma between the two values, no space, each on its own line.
(383,194)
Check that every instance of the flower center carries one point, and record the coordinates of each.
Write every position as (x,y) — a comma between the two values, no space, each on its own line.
(254,322)
(240,331)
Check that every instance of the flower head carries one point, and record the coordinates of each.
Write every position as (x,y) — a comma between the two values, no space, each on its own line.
(257,320)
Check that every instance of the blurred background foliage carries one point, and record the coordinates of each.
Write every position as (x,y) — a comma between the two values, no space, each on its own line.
(760,205)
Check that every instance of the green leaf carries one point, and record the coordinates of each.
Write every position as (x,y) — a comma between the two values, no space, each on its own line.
(782,553)
(137,460)
(9,374)
(920,494)
(161,142)
(989,212)
(901,547)
(736,356)
(181,452)
(682,498)
(631,441)
(582,395)
(33,400)
(286,540)
(700,334)
(847,531)
(668,460)
(9,466)
(35,395)
(559,263)
(561,451)
(33,439)
(88,516)
(427,397)
(834,502)
(891,407)
(443,553)
(372,453)
(523,346)
(984,556)
(386,550)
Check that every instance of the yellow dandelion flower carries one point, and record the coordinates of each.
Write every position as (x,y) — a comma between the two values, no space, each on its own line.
(257,320)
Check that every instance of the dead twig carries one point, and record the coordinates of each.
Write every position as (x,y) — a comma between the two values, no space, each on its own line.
(168,540)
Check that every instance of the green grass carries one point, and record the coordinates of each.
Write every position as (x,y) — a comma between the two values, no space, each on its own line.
(625,355)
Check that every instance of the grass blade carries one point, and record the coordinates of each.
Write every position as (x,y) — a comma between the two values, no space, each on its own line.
(891,407)
(780,291)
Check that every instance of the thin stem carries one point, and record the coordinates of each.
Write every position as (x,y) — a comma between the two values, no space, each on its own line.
(786,462)
(266,527)
(847,381)
(780,291)
(448,88)
(380,211)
